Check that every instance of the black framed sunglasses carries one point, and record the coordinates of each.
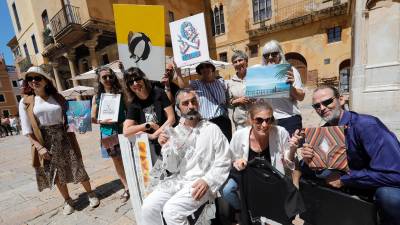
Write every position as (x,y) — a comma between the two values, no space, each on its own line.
(324,103)
(259,120)
(107,77)
(34,78)
(133,80)
(272,54)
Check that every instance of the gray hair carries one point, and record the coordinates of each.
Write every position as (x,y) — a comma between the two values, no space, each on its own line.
(239,54)
(273,46)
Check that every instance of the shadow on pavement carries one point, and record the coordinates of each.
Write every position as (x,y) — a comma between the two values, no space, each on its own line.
(102,191)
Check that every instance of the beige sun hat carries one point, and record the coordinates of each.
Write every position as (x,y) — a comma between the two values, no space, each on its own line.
(36,70)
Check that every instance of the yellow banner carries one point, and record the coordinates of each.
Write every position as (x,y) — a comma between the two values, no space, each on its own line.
(148,19)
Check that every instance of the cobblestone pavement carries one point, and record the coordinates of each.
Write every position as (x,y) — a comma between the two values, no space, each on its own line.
(21,203)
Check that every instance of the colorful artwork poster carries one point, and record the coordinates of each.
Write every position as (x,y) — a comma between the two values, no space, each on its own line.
(267,81)
(79,116)
(141,37)
(189,40)
(137,162)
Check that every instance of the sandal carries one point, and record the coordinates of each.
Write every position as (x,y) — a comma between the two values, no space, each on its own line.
(125,196)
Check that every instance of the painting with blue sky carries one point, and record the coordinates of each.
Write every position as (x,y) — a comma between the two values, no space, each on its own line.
(267,81)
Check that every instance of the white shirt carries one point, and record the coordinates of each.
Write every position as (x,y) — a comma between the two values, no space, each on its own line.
(205,155)
(47,113)
(279,147)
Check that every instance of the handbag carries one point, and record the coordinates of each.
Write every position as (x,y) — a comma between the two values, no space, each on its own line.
(266,192)
(329,145)
(110,141)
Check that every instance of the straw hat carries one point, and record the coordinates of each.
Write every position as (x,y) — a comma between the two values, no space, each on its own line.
(36,70)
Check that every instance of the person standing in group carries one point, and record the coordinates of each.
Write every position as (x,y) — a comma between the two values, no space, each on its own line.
(286,111)
(236,90)
(149,111)
(56,155)
(213,96)
(107,82)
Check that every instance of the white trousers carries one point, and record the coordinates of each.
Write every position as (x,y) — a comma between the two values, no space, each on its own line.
(176,207)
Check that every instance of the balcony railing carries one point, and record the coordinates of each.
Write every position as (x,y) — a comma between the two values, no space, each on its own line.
(296,12)
(24,64)
(67,16)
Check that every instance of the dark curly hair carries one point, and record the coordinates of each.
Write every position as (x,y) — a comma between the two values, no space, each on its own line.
(132,73)
(49,88)
(116,87)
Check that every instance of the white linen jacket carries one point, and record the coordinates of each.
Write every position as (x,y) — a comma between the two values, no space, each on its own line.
(205,155)
(279,147)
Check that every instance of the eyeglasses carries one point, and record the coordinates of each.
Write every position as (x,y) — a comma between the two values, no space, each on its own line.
(107,77)
(260,120)
(324,103)
(272,54)
(34,78)
(133,80)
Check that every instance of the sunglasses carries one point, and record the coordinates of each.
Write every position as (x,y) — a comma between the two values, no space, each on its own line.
(272,54)
(259,120)
(107,77)
(324,103)
(136,79)
(34,78)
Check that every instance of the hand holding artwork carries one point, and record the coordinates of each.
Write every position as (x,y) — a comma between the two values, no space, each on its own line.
(242,101)
(290,77)
(200,188)
(106,121)
(307,153)
(163,138)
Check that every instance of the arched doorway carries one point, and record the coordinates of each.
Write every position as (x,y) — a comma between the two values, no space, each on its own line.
(299,62)
(344,76)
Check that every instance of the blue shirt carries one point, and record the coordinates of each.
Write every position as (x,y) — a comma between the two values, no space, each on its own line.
(373,152)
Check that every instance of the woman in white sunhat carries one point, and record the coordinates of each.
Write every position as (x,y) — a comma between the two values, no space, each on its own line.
(56,156)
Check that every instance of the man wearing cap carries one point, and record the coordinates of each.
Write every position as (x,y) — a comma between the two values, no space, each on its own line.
(213,96)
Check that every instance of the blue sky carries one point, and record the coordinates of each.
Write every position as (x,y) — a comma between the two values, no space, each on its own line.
(6,32)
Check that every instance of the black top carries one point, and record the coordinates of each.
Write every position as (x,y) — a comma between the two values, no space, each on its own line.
(264,154)
(150,109)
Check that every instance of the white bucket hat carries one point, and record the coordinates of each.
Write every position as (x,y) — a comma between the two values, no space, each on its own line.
(36,70)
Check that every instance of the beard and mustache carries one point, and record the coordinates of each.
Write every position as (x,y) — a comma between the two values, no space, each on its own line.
(191,115)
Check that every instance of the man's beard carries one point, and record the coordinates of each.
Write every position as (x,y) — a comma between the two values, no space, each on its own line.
(192,115)
(334,117)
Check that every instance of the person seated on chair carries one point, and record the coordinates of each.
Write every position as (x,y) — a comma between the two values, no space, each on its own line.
(199,164)
(263,138)
(373,153)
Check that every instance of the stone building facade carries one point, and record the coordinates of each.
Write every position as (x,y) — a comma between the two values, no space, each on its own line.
(315,35)
(10,92)
(69,37)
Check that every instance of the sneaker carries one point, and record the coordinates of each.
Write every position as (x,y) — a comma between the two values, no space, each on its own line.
(93,200)
(125,196)
(68,208)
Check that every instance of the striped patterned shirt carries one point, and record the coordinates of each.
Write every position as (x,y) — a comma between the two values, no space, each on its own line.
(212,98)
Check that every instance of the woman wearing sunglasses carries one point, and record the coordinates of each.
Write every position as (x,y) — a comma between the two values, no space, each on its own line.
(286,111)
(56,156)
(107,82)
(262,139)
(149,111)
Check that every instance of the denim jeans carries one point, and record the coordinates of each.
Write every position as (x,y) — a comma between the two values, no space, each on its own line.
(229,193)
(387,200)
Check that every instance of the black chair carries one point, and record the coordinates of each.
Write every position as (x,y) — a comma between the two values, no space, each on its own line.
(327,206)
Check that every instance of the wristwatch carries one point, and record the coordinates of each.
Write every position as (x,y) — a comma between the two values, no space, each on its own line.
(147,126)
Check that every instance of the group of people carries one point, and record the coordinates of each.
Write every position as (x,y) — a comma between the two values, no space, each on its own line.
(9,124)
(200,164)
